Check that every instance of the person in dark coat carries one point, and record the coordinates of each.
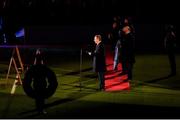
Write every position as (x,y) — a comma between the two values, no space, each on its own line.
(170,45)
(39,83)
(114,34)
(99,63)
(127,52)
(126,22)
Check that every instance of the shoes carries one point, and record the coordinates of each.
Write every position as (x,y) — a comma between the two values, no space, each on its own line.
(43,112)
(101,89)
(115,69)
(172,74)
(126,80)
(122,73)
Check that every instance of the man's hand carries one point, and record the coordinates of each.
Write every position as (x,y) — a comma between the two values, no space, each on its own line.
(109,36)
(89,53)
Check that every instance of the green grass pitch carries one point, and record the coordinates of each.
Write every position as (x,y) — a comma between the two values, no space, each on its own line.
(152,94)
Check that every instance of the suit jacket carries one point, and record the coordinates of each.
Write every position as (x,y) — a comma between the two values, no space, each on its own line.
(170,41)
(127,48)
(99,63)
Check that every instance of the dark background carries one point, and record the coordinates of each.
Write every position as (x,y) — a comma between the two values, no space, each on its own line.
(49,22)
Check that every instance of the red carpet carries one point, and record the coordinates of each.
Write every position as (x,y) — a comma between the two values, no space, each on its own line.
(114,81)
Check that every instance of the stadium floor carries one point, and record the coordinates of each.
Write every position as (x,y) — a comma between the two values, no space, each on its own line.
(152,95)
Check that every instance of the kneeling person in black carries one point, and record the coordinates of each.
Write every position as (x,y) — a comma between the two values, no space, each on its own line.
(40,83)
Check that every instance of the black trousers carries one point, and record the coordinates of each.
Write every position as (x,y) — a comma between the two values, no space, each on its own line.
(101,80)
(40,104)
(127,67)
(172,62)
(130,68)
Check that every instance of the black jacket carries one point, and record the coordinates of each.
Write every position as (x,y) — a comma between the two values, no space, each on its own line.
(99,63)
(170,41)
(127,48)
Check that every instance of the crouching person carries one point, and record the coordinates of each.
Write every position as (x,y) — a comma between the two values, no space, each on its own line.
(40,83)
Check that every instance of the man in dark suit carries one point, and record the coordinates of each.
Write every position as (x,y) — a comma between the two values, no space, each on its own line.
(127,51)
(99,63)
(170,45)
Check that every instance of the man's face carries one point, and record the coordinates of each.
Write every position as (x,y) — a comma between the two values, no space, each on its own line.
(126,29)
(96,40)
(114,25)
(125,20)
